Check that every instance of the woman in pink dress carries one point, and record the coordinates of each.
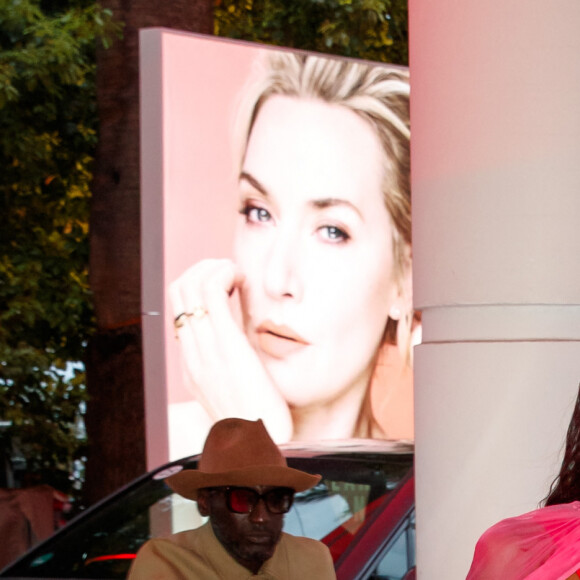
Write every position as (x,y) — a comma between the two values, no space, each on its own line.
(543,544)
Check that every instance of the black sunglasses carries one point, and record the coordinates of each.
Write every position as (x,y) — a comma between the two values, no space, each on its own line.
(242,500)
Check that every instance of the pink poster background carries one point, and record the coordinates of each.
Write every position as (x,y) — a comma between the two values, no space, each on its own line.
(190,90)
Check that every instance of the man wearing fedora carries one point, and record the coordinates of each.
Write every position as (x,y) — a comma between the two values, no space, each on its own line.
(244,486)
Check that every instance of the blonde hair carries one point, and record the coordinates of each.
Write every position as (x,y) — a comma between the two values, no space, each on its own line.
(380,95)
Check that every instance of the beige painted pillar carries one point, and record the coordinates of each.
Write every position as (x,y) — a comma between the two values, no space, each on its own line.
(496,226)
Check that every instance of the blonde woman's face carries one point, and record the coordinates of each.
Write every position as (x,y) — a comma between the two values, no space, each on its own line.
(314,242)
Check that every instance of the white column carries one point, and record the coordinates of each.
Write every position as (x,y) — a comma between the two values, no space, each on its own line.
(496,245)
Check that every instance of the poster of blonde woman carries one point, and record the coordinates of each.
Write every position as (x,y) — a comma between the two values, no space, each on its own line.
(276,242)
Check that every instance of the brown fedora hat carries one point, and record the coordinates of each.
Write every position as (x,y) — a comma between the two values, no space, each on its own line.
(242,453)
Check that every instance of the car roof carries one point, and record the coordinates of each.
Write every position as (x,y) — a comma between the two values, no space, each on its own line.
(342,446)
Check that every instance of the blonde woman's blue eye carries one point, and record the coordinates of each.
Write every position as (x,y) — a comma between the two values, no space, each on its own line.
(260,214)
(256,214)
(335,234)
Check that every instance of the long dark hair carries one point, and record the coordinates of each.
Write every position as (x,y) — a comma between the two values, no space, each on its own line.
(566,487)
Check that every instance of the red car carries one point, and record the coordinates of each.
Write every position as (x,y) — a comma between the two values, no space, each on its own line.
(363,509)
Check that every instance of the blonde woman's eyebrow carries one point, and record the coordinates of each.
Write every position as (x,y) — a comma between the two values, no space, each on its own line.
(325,202)
(245,176)
(318,204)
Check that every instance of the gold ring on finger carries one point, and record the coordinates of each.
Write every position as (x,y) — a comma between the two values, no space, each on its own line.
(179,320)
(198,312)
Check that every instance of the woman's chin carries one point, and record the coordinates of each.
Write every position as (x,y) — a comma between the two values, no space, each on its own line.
(308,400)
(300,395)
(301,402)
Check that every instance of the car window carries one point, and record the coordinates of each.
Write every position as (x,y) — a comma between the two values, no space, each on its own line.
(103,543)
(399,556)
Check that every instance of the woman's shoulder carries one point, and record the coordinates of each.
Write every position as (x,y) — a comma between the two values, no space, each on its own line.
(525,542)
(540,519)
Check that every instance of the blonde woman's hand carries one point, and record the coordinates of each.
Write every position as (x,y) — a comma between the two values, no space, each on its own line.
(226,375)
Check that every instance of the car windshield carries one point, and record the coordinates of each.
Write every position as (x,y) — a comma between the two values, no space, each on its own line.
(103,543)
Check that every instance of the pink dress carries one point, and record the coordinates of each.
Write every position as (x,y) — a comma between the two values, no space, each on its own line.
(540,545)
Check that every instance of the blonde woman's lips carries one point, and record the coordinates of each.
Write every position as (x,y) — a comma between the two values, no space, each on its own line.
(278,341)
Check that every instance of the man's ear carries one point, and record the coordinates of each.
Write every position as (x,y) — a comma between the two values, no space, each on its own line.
(203,502)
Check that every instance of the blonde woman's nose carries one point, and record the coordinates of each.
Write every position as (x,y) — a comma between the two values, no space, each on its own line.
(282,269)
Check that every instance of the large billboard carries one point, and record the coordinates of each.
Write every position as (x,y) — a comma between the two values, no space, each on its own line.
(276,250)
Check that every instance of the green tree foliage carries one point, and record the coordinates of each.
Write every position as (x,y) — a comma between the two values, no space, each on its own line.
(47,140)
(369,29)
